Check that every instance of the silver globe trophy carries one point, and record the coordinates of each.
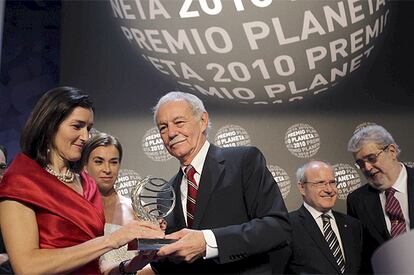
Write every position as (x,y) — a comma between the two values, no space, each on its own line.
(152,200)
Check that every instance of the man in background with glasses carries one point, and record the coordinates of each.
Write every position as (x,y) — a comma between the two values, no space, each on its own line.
(5,267)
(3,161)
(324,241)
(385,206)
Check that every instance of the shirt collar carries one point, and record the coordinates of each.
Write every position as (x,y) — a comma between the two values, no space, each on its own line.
(400,184)
(199,159)
(317,214)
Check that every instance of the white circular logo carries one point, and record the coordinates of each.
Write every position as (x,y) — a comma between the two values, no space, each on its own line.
(347,178)
(282,179)
(153,146)
(126,180)
(232,136)
(302,140)
(256,51)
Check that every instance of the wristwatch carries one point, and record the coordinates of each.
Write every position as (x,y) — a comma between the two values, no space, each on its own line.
(121,268)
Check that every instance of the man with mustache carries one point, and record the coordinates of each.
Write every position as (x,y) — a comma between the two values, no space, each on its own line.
(236,218)
(324,241)
(385,206)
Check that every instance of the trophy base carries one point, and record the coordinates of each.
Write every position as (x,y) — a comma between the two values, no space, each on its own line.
(148,244)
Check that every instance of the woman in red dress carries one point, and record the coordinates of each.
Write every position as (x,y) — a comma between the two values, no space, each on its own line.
(52,218)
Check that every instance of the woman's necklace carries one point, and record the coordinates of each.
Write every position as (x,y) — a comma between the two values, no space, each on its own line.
(67,177)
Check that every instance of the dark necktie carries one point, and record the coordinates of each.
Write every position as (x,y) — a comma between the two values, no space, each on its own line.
(333,243)
(394,212)
(191,194)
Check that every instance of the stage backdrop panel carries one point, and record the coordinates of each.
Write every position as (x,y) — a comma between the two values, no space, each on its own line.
(294,78)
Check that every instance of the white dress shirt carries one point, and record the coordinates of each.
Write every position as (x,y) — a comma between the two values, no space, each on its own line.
(401,195)
(198,164)
(317,216)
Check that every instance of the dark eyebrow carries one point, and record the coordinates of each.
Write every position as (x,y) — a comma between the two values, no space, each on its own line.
(98,157)
(82,122)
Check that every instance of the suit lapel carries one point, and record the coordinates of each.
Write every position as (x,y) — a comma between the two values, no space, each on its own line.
(210,176)
(410,190)
(310,224)
(374,212)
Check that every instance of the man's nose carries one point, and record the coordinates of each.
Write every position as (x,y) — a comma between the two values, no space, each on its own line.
(367,166)
(328,188)
(172,131)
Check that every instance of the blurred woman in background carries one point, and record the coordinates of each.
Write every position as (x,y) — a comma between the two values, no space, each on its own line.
(101,159)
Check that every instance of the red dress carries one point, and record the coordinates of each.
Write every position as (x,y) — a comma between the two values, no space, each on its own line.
(64,217)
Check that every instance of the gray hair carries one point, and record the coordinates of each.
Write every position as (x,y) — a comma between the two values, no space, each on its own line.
(195,103)
(368,134)
(301,172)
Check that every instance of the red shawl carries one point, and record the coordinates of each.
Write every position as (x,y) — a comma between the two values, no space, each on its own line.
(64,217)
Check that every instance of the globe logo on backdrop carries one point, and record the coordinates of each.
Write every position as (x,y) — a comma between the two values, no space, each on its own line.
(126,180)
(153,146)
(232,136)
(302,140)
(347,178)
(253,51)
(282,179)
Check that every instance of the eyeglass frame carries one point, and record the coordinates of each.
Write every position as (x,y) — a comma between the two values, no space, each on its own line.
(371,158)
(323,183)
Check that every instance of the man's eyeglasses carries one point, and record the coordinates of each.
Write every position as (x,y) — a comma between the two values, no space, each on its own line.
(371,159)
(323,183)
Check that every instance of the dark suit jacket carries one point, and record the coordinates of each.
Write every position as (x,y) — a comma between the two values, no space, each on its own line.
(240,201)
(364,204)
(311,253)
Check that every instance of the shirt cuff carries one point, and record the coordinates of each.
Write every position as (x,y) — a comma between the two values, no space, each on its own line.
(211,244)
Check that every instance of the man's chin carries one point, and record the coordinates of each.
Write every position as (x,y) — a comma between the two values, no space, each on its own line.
(177,153)
(377,185)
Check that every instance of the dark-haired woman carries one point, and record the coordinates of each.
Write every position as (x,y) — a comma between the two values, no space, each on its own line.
(51,216)
(101,159)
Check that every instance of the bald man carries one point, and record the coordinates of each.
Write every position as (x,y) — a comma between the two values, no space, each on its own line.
(324,241)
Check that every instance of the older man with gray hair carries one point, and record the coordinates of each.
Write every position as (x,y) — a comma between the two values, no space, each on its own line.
(385,206)
(229,213)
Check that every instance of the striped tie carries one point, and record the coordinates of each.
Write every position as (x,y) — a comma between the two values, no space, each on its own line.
(394,212)
(191,194)
(333,243)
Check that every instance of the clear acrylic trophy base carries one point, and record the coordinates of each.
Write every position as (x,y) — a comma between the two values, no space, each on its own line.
(148,244)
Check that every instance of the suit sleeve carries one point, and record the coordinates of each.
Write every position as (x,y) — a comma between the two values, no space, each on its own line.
(268,226)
